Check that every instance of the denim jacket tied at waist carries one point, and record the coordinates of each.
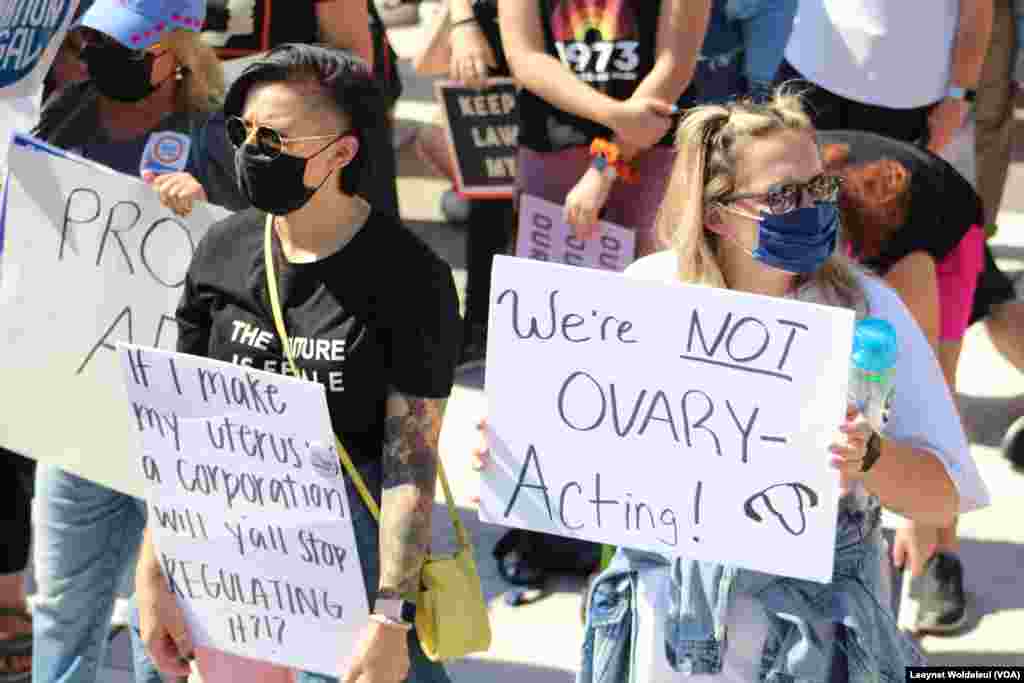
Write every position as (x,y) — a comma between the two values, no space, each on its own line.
(696,633)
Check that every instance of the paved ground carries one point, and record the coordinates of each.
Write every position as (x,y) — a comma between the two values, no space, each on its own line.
(540,643)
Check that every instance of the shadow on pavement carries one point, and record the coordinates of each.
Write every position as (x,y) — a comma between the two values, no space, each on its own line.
(483,670)
(484,537)
(987,418)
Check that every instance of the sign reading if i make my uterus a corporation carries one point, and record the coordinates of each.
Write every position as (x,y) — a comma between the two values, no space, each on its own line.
(677,419)
(248,507)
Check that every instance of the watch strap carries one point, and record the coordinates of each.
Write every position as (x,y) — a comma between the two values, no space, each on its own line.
(390,608)
(958,93)
(872,452)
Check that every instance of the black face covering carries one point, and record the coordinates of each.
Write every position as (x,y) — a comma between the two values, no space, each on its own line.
(119,75)
(275,184)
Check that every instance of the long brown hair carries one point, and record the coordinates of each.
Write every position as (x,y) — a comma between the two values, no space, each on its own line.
(708,143)
(874,201)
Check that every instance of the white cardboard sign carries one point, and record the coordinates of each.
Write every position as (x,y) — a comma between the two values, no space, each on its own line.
(682,420)
(248,507)
(90,257)
(545,236)
(30,36)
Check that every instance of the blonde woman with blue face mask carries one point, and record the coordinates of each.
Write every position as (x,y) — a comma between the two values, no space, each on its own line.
(749,208)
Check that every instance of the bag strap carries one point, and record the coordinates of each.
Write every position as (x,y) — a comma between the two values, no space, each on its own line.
(461,535)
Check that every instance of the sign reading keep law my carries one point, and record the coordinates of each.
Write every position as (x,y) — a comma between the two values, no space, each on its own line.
(483,130)
(677,419)
(248,507)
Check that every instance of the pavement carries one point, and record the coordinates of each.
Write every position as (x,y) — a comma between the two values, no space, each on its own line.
(540,643)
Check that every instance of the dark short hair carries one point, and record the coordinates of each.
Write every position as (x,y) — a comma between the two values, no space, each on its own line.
(347,83)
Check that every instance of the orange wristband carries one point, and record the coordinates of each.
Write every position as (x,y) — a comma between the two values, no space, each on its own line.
(611,153)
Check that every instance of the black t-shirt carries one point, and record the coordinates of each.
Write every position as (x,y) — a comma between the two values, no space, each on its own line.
(240,28)
(609,44)
(381,312)
(943,205)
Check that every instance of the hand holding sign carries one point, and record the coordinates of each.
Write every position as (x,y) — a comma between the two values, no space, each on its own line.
(250,524)
(178,191)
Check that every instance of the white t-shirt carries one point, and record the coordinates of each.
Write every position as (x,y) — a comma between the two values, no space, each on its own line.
(922,413)
(888,53)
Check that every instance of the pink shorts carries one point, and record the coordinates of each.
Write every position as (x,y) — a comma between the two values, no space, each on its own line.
(958,280)
(552,175)
(216,666)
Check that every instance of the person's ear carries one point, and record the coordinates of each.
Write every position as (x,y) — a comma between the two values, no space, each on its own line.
(713,219)
(346,150)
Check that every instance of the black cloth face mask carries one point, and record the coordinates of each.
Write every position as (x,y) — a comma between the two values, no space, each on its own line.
(275,183)
(121,74)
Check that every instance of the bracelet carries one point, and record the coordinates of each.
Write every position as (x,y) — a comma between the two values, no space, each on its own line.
(463,22)
(606,154)
(871,452)
(393,623)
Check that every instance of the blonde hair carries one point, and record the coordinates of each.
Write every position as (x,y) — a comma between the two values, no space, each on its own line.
(708,142)
(202,83)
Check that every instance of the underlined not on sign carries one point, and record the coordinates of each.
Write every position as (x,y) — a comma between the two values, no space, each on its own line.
(737,366)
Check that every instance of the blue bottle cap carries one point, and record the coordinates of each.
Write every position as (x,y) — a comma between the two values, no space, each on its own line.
(874,345)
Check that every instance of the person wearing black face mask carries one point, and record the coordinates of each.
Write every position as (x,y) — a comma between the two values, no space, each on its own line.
(361,305)
(150,81)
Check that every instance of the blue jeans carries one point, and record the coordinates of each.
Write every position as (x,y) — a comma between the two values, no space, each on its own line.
(87,537)
(421,669)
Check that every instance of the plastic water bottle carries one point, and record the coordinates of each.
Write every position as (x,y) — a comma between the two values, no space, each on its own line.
(873,369)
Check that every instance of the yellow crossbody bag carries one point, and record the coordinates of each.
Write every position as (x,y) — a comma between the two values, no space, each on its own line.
(451,615)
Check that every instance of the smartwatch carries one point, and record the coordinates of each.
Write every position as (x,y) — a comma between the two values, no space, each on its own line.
(873,450)
(958,93)
(391,608)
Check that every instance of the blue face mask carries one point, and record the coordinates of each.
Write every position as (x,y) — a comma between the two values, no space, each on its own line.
(799,241)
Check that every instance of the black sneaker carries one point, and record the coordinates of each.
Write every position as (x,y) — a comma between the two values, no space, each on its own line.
(940,594)
(454,207)
(1013,445)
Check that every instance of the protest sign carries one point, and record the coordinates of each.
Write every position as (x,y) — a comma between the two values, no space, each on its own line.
(90,258)
(544,235)
(683,420)
(248,507)
(31,32)
(483,132)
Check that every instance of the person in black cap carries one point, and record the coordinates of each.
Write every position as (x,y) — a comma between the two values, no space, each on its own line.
(306,123)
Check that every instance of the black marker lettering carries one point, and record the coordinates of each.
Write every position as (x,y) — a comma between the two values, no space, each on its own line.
(744,432)
(531,455)
(75,194)
(561,402)
(732,335)
(109,230)
(126,313)
(699,424)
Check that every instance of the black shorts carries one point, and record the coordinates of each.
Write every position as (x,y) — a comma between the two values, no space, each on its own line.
(994,288)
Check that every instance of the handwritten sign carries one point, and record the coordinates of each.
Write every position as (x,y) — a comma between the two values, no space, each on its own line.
(544,236)
(483,130)
(90,258)
(248,507)
(676,419)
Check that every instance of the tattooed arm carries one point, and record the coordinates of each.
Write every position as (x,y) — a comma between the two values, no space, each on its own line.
(411,433)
